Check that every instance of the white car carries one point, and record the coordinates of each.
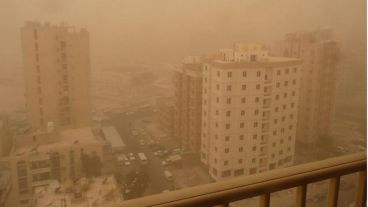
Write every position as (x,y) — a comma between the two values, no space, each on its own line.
(131,156)
(127,163)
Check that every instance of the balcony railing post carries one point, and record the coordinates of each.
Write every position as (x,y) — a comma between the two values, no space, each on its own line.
(301,195)
(361,195)
(333,192)
(264,200)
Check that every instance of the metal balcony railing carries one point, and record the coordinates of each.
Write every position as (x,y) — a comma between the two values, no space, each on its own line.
(264,184)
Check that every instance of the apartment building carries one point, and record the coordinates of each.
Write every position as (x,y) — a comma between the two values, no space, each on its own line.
(165,115)
(5,136)
(187,103)
(249,111)
(57,75)
(41,157)
(319,53)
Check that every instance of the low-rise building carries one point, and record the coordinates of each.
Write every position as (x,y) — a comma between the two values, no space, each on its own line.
(53,155)
(85,192)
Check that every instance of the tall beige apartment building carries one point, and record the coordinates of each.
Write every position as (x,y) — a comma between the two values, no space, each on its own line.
(57,75)
(319,54)
(188,103)
(249,111)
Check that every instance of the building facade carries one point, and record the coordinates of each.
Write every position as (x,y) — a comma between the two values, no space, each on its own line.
(165,115)
(319,54)
(44,156)
(187,103)
(5,136)
(57,75)
(249,111)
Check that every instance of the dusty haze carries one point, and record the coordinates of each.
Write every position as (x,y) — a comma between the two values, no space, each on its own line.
(165,31)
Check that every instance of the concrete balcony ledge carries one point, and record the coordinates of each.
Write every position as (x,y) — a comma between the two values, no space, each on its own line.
(262,184)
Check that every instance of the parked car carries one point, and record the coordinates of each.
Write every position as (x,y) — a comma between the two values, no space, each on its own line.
(131,156)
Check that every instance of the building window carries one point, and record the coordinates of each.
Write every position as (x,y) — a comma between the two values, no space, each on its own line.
(254,160)
(294,82)
(242,125)
(277,97)
(228,100)
(258,73)
(226,173)
(254,136)
(228,113)
(256,112)
(244,87)
(258,86)
(255,124)
(228,87)
(278,72)
(240,149)
(214,171)
(218,73)
(227,138)
(227,126)
(256,99)
(244,74)
(226,162)
(286,83)
(243,100)
(240,161)
(218,87)
(242,113)
(229,74)
(227,150)
(287,71)
(241,137)
(278,85)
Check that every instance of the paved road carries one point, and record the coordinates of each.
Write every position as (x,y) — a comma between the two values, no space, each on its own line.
(124,124)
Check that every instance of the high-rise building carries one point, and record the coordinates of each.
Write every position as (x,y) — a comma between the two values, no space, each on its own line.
(319,54)
(57,75)
(5,136)
(187,103)
(249,111)
(165,115)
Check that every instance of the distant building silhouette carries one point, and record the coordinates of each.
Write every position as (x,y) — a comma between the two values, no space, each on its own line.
(188,103)
(57,75)
(320,55)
